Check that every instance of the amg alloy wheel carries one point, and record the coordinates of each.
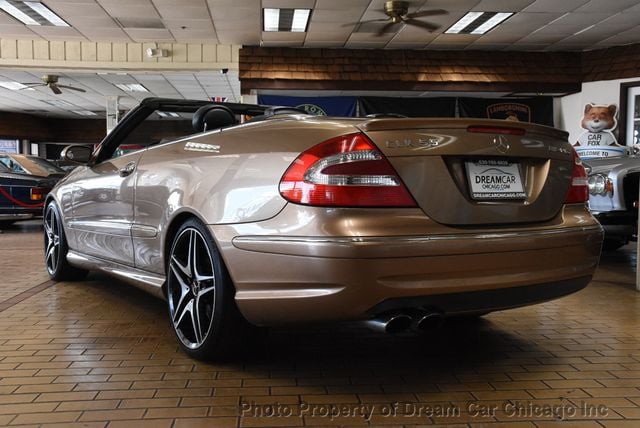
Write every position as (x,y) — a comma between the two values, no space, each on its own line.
(55,247)
(200,295)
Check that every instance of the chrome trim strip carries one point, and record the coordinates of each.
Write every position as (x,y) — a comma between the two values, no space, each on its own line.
(364,240)
(291,293)
(142,231)
(150,282)
(102,227)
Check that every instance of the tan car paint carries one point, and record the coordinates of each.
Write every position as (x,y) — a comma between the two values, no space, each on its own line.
(297,263)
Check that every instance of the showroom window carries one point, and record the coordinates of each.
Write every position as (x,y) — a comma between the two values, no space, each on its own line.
(630,112)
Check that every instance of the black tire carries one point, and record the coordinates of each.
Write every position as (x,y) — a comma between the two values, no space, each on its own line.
(6,223)
(201,296)
(55,247)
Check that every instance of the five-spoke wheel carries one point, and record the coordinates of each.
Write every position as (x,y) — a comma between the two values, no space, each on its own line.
(55,247)
(193,288)
(51,239)
(200,297)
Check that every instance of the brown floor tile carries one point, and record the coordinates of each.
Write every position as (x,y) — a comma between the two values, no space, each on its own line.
(50,417)
(6,409)
(184,412)
(88,405)
(206,423)
(156,423)
(111,415)
(99,352)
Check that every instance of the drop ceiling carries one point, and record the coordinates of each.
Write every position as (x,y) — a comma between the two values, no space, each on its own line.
(536,24)
(99,86)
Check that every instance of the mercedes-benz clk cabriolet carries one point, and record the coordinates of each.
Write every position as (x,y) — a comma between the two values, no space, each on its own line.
(245,215)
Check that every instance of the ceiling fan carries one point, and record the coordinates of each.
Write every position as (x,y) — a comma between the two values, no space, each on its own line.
(398,12)
(51,81)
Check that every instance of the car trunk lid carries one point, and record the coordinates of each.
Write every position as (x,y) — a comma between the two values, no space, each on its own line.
(474,172)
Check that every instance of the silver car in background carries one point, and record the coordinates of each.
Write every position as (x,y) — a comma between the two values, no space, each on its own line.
(613,197)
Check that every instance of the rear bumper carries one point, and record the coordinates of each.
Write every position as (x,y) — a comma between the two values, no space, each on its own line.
(282,279)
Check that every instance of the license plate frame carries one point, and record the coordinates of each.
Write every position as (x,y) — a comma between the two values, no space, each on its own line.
(495,180)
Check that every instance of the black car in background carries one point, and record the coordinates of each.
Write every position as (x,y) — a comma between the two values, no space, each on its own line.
(24,184)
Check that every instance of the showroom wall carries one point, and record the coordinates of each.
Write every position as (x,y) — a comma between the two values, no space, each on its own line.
(570,109)
(604,70)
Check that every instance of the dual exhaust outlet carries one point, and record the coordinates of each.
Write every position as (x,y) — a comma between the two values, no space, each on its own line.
(397,322)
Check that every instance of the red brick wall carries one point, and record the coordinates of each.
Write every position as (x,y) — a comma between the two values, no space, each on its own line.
(613,63)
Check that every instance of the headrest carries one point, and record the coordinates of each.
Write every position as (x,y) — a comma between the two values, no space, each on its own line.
(212,116)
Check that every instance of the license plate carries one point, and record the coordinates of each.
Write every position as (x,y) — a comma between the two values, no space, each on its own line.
(495,179)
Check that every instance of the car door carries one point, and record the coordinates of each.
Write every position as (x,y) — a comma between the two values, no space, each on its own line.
(103,197)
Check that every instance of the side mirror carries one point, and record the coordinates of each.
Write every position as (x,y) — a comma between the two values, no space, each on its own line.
(77,154)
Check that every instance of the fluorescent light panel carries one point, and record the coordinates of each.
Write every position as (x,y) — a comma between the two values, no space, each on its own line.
(15,86)
(32,13)
(478,22)
(291,20)
(131,87)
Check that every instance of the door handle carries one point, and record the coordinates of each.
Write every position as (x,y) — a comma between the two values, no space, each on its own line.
(127,169)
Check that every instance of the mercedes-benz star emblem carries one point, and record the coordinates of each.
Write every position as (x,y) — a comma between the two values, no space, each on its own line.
(501,143)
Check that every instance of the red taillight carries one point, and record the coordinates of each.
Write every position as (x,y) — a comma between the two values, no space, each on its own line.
(38,193)
(579,187)
(346,171)
(495,130)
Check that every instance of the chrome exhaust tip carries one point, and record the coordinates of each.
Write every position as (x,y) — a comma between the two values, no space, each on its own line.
(428,321)
(389,323)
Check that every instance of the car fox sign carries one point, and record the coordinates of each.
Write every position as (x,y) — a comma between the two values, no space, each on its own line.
(598,141)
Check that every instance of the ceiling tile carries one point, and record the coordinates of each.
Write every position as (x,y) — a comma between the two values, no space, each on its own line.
(502,5)
(555,5)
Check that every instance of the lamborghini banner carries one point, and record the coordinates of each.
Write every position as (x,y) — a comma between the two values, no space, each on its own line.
(536,110)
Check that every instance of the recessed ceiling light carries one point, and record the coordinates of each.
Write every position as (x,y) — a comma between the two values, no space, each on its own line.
(478,22)
(15,86)
(131,87)
(32,13)
(84,112)
(293,20)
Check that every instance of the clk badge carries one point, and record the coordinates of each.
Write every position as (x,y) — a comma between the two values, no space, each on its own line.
(501,143)
(201,147)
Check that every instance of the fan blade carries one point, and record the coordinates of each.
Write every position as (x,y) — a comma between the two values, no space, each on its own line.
(55,89)
(71,87)
(421,24)
(384,29)
(434,12)
(365,22)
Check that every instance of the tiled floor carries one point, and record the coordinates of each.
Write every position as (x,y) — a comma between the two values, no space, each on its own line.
(99,353)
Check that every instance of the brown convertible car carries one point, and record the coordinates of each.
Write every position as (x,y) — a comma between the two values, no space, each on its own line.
(290,218)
